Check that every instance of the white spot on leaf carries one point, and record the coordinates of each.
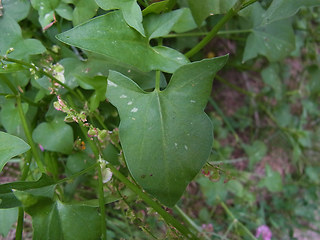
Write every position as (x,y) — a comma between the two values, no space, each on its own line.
(123,96)
(129,103)
(192,101)
(185,147)
(134,110)
(112,84)
(176,145)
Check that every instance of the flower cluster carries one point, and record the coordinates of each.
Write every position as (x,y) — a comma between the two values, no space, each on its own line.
(264,231)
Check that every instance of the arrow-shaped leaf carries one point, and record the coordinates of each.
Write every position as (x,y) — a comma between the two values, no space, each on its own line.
(165,135)
(111,36)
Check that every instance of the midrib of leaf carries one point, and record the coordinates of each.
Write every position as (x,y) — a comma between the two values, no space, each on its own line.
(163,137)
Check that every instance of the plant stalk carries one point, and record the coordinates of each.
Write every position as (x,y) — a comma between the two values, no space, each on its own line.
(233,11)
(96,153)
(225,207)
(19,228)
(190,222)
(27,131)
(156,206)
(37,69)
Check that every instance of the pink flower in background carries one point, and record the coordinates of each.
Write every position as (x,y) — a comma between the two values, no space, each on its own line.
(41,148)
(264,231)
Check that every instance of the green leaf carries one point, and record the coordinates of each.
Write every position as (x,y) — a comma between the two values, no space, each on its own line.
(272,181)
(156,7)
(45,10)
(205,8)
(275,41)
(130,10)
(256,151)
(22,47)
(84,10)
(10,68)
(54,136)
(7,218)
(16,9)
(38,188)
(97,65)
(270,76)
(165,135)
(160,25)
(125,44)
(99,84)
(282,9)
(65,11)
(213,191)
(10,146)
(10,118)
(60,221)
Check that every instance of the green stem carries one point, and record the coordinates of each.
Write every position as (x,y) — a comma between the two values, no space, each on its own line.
(102,205)
(195,34)
(235,87)
(190,222)
(39,70)
(229,126)
(19,228)
(96,153)
(246,4)
(157,207)
(225,207)
(28,134)
(157,87)
(215,29)
(88,169)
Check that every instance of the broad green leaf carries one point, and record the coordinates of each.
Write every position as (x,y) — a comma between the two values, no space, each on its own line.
(97,65)
(45,10)
(8,198)
(160,25)
(99,84)
(84,10)
(65,11)
(282,114)
(130,10)
(203,9)
(256,151)
(275,40)
(22,47)
(10,146)
(54,136)
(213,191)
(270,76)
(156,7)
(16,9)
(165,135)
(125,44)
(10,118)
(7,218)
(272,180)
(60,221)
(235,187)
(185,22)
(282,9)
